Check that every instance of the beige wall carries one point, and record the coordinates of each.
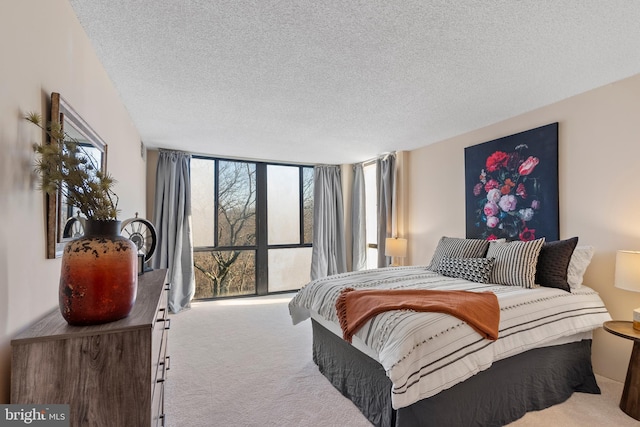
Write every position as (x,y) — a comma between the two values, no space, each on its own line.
(152,166)
(44,50)
(599,144)
(402,183)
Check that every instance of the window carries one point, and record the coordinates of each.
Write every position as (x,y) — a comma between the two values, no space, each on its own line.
(283,201)
(252,226)
(289,218)
(307,205)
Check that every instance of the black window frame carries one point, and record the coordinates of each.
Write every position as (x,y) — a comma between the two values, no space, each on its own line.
(262,245)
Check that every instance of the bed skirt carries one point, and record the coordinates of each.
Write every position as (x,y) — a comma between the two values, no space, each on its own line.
(530,381)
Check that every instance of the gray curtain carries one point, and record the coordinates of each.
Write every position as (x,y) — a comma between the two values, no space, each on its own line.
(386,180)
(329,250)
(358,220)
(172,219)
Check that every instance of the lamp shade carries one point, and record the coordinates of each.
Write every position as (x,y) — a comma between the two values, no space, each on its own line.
(627,271)
(395,247)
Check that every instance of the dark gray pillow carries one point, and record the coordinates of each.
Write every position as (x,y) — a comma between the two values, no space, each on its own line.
(473,269)
(553,263)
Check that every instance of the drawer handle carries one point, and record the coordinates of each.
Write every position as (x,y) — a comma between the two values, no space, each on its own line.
(163,418)
(162,312)
(168,362)
(164,372)
(167,323)
(167,286)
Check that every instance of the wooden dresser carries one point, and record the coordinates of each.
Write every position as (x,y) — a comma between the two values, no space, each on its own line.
(111,374)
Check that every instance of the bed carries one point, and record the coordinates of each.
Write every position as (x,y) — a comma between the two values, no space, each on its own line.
(406,368)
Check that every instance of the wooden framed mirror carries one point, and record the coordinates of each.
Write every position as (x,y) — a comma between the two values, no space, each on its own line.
(63,222)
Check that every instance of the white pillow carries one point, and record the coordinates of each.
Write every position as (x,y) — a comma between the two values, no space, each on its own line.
(580,260)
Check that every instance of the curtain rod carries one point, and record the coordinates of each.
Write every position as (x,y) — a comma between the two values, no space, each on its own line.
(373,160)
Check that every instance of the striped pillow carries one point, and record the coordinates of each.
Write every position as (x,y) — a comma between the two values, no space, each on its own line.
(453,247)
(515,263)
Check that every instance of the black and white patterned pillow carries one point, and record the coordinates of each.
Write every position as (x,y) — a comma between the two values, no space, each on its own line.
(453,247)
(515,263)
(473,269)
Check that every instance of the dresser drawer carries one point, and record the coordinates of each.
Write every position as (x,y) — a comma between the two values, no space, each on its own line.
(158,417)
(163,365)
(159,345)
(159,338)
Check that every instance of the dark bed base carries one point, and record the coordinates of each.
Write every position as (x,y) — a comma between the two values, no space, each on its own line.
(530,381)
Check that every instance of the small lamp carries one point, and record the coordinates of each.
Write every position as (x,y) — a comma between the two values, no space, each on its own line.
(628,277)
(395,248)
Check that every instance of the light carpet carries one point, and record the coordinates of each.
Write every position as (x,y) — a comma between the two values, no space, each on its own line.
(240,362)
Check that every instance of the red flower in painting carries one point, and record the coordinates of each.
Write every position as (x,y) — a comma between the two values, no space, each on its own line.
(528,165)
(527,234)
(491,184)
(497,160)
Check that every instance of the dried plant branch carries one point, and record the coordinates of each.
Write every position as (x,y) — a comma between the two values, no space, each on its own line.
(64,166)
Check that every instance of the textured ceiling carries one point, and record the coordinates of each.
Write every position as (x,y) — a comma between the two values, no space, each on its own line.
(336,81)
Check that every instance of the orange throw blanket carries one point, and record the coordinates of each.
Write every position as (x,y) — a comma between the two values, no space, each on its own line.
(480,310)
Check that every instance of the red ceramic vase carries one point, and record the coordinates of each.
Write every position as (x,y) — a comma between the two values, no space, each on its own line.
(99,277)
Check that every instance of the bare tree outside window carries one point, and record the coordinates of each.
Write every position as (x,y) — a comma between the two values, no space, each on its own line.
(228,257)
(224,273)
(236,204)
(231,272)
(307,203)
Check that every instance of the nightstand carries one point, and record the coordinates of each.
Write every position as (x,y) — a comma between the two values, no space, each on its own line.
(630,401)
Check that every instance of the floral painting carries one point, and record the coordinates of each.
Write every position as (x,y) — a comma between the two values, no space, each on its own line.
(511,186)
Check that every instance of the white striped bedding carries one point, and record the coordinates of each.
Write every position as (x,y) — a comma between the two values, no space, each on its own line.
(425,353)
